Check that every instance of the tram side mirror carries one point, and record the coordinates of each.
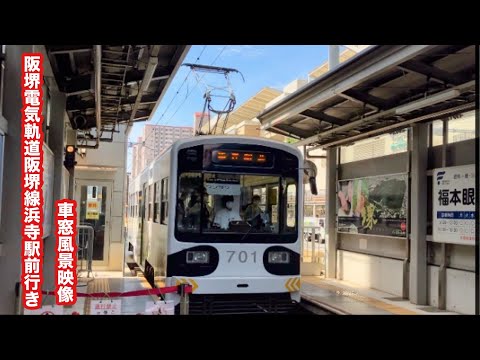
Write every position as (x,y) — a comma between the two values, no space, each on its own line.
(310,175)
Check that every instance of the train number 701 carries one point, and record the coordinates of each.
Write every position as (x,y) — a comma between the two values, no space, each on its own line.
(242,256)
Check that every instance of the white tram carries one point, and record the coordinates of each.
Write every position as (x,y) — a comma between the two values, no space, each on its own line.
(223,213)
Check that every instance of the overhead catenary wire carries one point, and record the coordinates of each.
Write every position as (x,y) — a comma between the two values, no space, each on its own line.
(188,93)
(196,84)
(178,91)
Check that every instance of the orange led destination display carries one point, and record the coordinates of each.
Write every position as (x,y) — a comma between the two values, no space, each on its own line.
(242,158)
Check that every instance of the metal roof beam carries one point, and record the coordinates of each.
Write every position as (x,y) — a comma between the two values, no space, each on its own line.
(378,82)
(347,76)
(291,129)
(432,72)
(75,93)
(161,73)
(70,51)
(396,126)
(321,116)
(365,98)
(78,83)
(176,59)
(283,132)
(370,119)
(147,78)
(441,51)
(77,104)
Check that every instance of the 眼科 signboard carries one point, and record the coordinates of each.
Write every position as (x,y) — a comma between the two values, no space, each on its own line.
(454,205)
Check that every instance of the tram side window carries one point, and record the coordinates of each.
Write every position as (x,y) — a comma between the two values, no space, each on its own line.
(145,203)
(132,206)
(150,202)
(164,205)
(188,202)
(156,206)
(134,202)
(139,204)
(291,208)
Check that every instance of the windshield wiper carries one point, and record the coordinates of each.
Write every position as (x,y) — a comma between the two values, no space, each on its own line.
(246,234)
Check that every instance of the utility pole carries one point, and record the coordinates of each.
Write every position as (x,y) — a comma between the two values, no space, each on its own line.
(333,56)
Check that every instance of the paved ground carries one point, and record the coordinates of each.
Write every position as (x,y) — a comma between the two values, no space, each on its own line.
(344,298)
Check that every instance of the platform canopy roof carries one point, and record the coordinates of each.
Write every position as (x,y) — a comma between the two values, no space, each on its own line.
(382,89)
(109,85)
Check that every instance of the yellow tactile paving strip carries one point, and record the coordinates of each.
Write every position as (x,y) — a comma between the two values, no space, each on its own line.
(365,299)
(95,286)
(102,285)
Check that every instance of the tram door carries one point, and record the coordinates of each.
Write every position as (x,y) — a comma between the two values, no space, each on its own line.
(143,224)
(138,224)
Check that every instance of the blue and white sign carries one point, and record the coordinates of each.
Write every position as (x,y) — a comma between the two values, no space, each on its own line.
(222,189)
(454,205)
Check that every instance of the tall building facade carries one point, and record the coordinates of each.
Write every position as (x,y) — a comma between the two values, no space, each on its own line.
(197,117)
(153,142)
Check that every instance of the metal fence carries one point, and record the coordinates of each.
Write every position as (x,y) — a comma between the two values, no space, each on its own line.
(313,245)
(85,238)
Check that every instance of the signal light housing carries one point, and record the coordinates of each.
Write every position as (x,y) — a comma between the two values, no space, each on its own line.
(69,161)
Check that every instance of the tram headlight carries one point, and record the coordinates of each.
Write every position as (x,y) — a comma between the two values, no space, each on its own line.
(198,257)
(278,257)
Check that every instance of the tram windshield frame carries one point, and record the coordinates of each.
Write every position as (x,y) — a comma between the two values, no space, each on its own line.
(228,203)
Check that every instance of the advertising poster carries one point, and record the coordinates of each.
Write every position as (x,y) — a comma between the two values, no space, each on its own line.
(373,205)
(92,210)
(454,205)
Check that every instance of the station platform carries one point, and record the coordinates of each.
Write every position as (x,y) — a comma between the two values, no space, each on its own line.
(334,296)
(343,298)
(107,282)
(104,283)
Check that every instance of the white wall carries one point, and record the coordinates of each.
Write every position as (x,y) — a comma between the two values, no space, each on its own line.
(386,275)
(112,157)
(370,271)
(460,290)
(382,145)
(111,154)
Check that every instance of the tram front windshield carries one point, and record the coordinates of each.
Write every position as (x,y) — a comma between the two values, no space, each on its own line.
(209,202)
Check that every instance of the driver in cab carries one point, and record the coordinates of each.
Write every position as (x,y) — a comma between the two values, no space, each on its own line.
(224,216)
(253,213)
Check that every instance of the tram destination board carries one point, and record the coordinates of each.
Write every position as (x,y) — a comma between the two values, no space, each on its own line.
(242,158)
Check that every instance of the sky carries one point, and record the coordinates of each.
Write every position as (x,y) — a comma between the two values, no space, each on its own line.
(261,66)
